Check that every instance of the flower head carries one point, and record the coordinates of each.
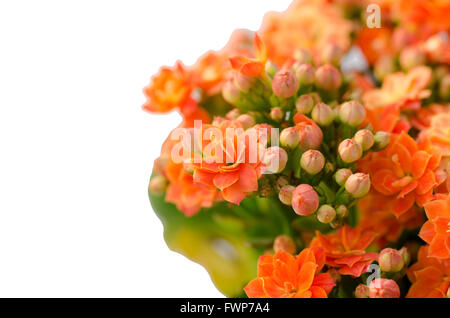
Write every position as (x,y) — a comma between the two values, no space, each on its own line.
(251,66)
(286,276)
(345,249)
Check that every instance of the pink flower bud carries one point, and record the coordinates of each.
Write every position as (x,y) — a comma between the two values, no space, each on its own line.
(322,114)
(365,138)
(274,159)
(384,288)
(232,114)
(312,161)
(243,82)
(390,260)
(158,184)
(342,175)
(305,73)
(277,114)
(304,104)
(302,56)
(247,121)
(230,92)
(326,214)
(281,182)
(411,57)
(285,84)
(350,151)
(328,77)
(310,136)
(358,184)
(285,194)
(381,140)
(284,243)
(362,291)
(342,211)
(331,53)
(305,200)
(405,255)
(435,46)
(352,113)
(290,137)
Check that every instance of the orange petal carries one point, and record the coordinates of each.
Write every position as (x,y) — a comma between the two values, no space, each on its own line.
(203,177)
(409,188)
(419,163)
(248,179)
(438,248)
(238,62)
(325,281)
(402,205)
(436,208)
(259,48)
(318,292)
(427,232)
(306,276)
(252,69)
(254,289)
(271,289)
(233,194)
(365,240)
(426,183)
(265,265)
(424,198)
(224,180)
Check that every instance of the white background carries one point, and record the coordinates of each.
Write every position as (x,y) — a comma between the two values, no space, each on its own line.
(76,151)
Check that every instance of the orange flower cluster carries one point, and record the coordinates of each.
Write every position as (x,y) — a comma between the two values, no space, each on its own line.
(286,276)
(321,134)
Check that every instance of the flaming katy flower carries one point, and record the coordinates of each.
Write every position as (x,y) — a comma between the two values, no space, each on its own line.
(237,177)
(169,89)
(436,231)
(404,172)
(345,249)
(251,66)
(286,276)
(430,277)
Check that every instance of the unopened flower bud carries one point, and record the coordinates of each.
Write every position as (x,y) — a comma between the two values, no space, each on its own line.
(322,114)
(362,291)
(358,184)
(284,243)
(277,114)
(326,214)
(365,138)
(305,200)
(342,211)
(384,288)
(435,46)
(312,161)
(311,136)
(230,92)
(285,194)
(329,167)
(247,121)
(342,175)
(271,68)
(328,77)
(290,137)
(281,182)
(411,57)
(232,114)
(350,151)
(285,84)
(405,255)
(275,159)
(390,260)
(331,53)
(304,104)
(243,82)
(302,56)
(158,184)
(352,113)
(381,140)
(305,73)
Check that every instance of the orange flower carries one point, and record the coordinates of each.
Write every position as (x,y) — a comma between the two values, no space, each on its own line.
(306,24)
(345,249)
(210,71)
(430,277)
(438,134)
(399,91)
(436,231)
(286,276)
(168,89)
(404,172)
(376,216)
(251,66)
(234,166)
(375,42)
